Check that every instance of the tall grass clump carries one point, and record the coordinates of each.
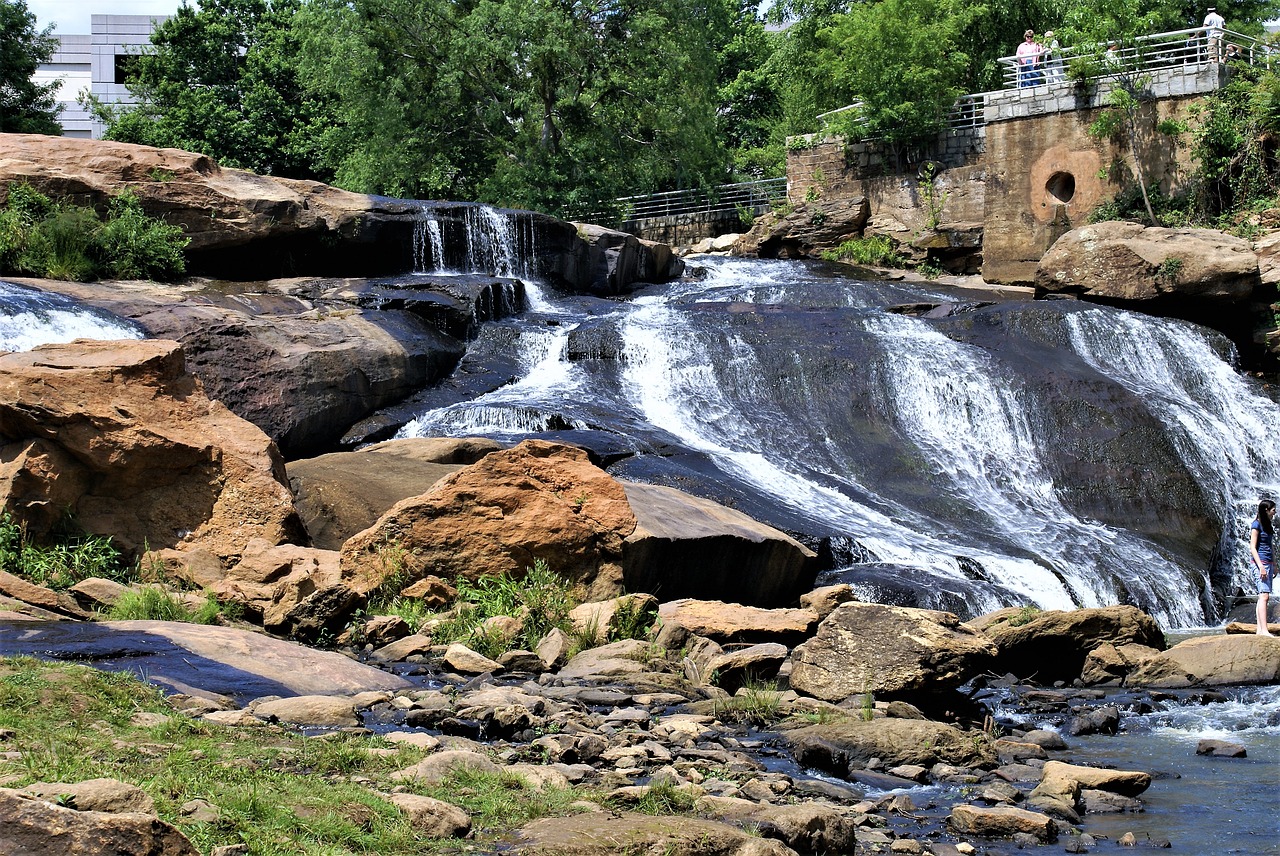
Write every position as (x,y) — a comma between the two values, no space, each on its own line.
(876,250)
(60,240)
(69,556)
(542,600)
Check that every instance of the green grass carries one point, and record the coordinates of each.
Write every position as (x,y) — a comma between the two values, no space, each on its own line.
(876,250)
(278,792)
(756,703)
(153,603)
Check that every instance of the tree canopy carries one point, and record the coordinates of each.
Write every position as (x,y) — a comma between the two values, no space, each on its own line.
(26,107)
(562,105)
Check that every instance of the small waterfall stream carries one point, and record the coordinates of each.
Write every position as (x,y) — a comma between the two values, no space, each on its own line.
(29,318)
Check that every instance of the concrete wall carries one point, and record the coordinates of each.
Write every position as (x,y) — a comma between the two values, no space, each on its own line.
(679,230)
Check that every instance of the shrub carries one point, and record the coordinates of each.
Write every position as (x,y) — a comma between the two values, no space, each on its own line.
(876,250)
(65,241)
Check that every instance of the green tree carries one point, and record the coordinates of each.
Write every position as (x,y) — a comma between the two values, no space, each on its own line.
(222,80)
(26,107)
(549,104)
(901,59)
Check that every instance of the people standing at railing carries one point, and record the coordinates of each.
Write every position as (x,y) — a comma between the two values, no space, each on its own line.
(1111,59)
(1028,57)
(1051,58)
(1214,26)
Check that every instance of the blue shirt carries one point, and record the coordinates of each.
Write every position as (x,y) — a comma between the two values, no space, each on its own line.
(1264,541)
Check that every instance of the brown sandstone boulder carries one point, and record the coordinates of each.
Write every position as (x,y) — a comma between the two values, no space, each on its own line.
(1112,663)
(887,650)
(123,436)
(613,833)
(433,818)
(806,230)
(322,711)
(1001,822)
(1130,783)
(33,827)
(109,795)
(733,622)
(1213,661)
(40,597)
(497,517)
(1052,645)
(1132,263)
(343,493)
(603,619)
(685,546)
(839,747)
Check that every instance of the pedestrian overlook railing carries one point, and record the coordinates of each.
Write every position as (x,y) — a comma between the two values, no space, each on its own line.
(1150,52)
(746,196)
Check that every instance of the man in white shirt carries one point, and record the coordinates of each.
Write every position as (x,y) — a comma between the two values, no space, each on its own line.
(1214,25)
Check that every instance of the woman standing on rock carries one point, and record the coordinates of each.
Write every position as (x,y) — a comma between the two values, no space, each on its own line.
(1260,536)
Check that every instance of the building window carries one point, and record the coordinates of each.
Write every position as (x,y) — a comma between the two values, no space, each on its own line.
(126,67)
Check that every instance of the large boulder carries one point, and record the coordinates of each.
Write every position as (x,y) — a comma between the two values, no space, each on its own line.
(1052,645)
(734,622)
(805,230)
(121,435)
(887,651)
(1128,262)
(537,501)
(684,546)
(848,744)
(33,827)
(1212,661)
(617,260)
(343,493)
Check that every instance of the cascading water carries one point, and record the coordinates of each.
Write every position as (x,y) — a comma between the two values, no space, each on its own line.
(973,508)
(29,318)
(1225,429)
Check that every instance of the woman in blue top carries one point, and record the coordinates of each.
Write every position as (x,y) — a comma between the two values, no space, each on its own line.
(1260,537)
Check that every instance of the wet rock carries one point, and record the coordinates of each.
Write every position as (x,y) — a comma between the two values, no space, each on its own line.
(846,746)
(1012,751)
(1100,720)
(521,661)
(402,649)
(1051,645)
(1050,740)
(1213,661)
(1002,822)
(33,827)
(868,647)
(611,833)
(1221,749)
(310,710)
(1112,663)
(1129,783)
(1105,802)
(109,795)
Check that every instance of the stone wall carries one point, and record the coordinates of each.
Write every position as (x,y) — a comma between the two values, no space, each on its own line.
(681,230)
(1031,173)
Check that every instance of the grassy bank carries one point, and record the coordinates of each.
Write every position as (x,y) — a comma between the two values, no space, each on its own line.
(276,790)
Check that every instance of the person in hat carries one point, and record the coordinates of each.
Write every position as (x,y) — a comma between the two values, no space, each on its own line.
(1028,57)
(1214,28)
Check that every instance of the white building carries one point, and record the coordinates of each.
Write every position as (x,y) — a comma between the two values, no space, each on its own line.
(99,63)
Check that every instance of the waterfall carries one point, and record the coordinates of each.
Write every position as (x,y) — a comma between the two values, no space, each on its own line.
(29,318)
(1222,426)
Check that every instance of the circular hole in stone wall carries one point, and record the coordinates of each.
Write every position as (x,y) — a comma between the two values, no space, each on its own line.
(1061,186)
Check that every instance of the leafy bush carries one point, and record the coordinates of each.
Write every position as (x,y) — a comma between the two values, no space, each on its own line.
(72,556)
(876,250)
(65,241)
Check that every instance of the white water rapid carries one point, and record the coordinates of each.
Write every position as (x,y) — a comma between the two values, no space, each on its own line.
(29,318)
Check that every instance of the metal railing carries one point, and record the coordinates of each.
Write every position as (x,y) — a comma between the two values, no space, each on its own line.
(751,196)
(1156,51)
(967,112)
